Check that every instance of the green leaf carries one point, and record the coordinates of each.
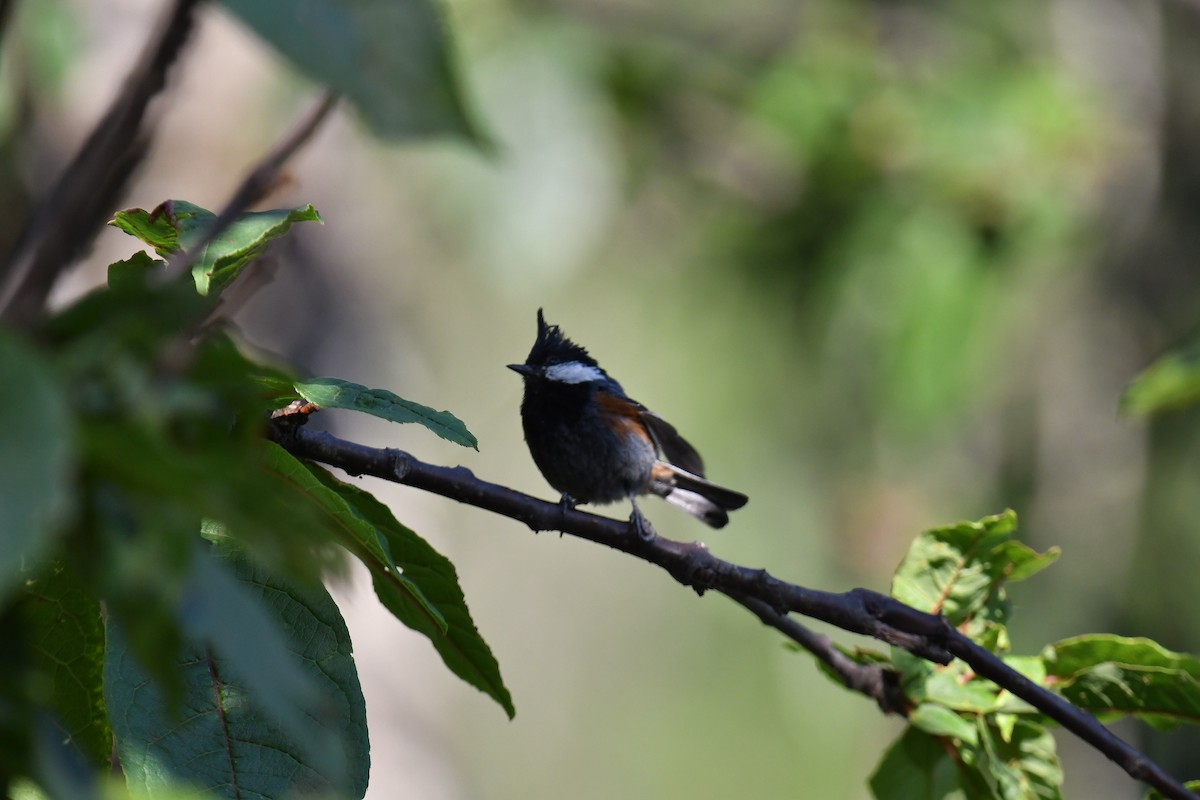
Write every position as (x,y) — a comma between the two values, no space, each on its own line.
(1024,766)
(37,456)
(916,767)
(131,273)
(461,647)
(1173,381)
(960,571)
(392,59)
(937,720)
(66,637)
(337,393)
(179,225)
(1104,673)
(272,698)
(363,539)
(1154,794)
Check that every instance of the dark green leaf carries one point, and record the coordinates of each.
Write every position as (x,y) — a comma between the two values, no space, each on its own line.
(272,699)
(66,636)
(1104,673)
(362,538)
(37,456)
(916,767)
(132,272)
(337,393)
(391,58)
(462,648)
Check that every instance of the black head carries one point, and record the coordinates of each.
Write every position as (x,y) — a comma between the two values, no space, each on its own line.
(556,359)
(552,347)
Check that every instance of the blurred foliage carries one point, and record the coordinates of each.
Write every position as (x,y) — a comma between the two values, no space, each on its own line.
(897,249)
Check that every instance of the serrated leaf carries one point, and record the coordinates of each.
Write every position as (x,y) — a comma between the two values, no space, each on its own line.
(37,455)
(337,393)
(462,648)
(1104,673)
(392,59)
(273,700)
(66,637)
(960,571)
(179,225)
(364,540)
(1173,381)
(1023,767)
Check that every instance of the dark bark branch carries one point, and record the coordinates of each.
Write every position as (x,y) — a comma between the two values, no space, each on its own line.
(69,215)
(771,600)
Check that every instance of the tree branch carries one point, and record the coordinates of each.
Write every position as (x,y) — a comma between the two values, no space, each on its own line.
(770,599)
(70,214)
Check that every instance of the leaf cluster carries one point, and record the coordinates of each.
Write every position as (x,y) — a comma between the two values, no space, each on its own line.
(966,736)
(161,561)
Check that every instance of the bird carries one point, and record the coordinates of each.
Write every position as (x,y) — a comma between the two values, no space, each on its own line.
(595,444)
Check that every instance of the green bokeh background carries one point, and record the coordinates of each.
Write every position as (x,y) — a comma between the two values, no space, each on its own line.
(887,264)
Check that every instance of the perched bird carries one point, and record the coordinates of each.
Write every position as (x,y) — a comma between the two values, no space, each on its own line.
(594,444)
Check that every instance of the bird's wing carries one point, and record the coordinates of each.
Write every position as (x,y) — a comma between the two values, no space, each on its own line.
(673,446)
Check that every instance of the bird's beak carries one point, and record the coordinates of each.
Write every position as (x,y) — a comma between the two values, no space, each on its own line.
(524,369)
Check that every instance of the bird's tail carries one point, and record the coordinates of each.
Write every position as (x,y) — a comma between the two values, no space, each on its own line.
(703,499)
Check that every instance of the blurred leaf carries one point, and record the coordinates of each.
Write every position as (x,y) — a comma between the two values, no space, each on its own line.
(179,225)
(132,272)
(937,720)
(1106,673)
(1154,794)
(462,648)
(916,767)
(66,637)
(337,393)
(270,687)
(956,686)
(392,58)
(364,541)
(1024,766)
(1173,381)
(36,458)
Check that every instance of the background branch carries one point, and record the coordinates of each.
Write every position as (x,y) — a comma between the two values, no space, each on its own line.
(73,210)
(770,599)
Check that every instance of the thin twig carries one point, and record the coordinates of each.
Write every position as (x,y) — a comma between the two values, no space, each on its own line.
(258,183)
(858,611)
(74,209)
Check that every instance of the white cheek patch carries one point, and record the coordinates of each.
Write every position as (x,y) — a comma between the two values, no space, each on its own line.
(573,372)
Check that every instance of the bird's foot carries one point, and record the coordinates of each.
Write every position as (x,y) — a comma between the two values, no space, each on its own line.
(641,526)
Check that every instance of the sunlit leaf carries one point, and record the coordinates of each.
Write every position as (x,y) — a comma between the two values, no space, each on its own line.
(179,225)
(337,393)
(1104,673)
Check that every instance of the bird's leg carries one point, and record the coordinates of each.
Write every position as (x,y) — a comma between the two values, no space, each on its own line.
(641,526)
(566,503)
